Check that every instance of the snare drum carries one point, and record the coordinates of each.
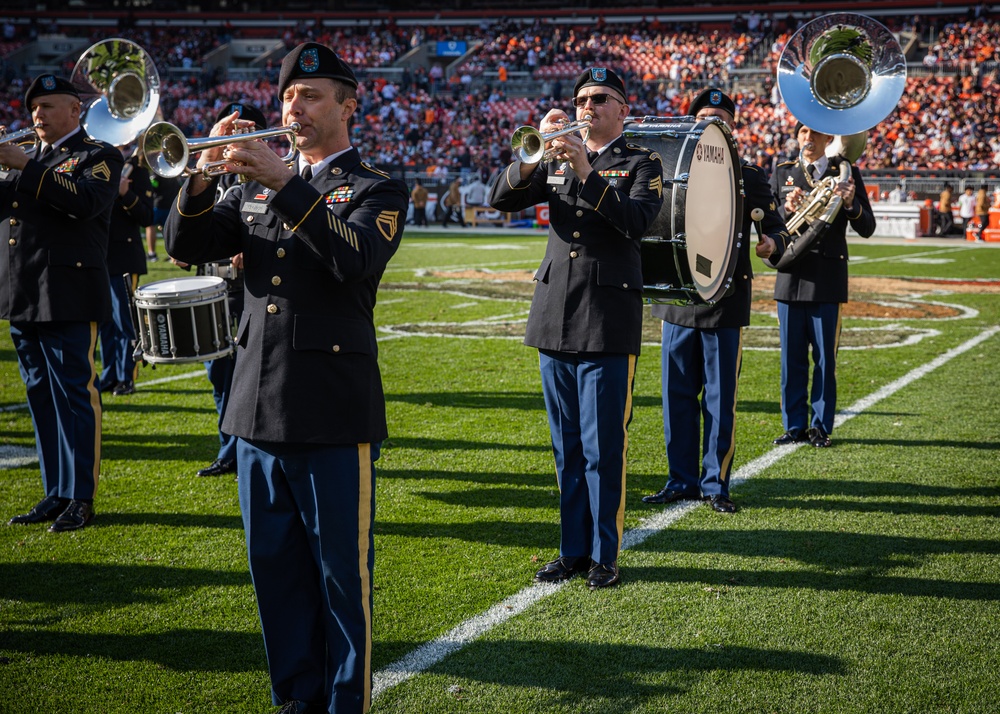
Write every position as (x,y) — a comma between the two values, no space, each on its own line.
(689,251)
(184,320)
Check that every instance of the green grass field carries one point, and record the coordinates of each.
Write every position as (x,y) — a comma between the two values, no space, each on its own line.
(862,578)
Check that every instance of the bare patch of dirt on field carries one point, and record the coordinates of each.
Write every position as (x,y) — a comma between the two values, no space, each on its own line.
(502,275)
(872,296)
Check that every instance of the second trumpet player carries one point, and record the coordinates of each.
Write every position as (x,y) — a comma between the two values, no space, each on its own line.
(586,314)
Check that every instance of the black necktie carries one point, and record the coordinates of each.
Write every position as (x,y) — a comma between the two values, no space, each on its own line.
(813,171)
(307,172)
(592,157)
(45,151)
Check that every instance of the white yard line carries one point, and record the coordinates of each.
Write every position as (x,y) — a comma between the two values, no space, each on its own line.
(430,653)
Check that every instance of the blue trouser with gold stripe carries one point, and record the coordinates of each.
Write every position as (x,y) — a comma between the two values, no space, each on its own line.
(705,363)
(57,366)
(803,326)
(308,512)
(588,398)
(117,335)
(220,374)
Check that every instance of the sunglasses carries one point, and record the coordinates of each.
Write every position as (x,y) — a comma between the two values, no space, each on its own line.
(595,99)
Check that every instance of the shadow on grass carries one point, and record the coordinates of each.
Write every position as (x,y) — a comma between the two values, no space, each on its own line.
(106,585)
(891,496)
(619,676)
(179,650)
(529,534)
(425,444)
(861,582)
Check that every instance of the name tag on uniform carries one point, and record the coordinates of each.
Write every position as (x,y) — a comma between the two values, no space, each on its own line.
(254,207)
(560,180)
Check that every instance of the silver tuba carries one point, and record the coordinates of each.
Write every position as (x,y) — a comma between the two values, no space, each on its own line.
(120,90)
(840,74)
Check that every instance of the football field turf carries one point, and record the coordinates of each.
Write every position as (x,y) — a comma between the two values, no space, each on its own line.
(860,578)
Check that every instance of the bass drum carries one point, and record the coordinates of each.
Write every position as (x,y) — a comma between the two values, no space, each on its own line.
(689,252)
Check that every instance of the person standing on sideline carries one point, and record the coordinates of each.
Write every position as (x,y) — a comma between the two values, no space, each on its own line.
(307,403)
(133,211)
(812,291)
(586,313)
(55,207)
(451,201)
(419,196)
(967,207)
(703,349)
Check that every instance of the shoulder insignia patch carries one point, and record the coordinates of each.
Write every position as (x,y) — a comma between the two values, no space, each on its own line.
(655,156)
(386,223)
(657,185)
(101,171)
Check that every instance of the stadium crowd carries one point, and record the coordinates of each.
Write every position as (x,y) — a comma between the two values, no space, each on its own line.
(422,121)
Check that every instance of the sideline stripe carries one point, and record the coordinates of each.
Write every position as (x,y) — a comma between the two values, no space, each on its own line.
(150,383)
(430,653)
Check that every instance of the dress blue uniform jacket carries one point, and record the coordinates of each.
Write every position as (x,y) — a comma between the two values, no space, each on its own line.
(821,274)
(734,309)
(314,254)
(54,217)
(133,211)
(588,292)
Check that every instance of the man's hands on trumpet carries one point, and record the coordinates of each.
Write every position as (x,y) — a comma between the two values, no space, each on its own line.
(796,197)
(12,156)
(253,159)
(568,147)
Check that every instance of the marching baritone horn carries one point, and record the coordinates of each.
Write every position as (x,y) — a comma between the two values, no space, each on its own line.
(528,144)
(168,151)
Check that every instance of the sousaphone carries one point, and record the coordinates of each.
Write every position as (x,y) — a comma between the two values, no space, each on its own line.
(840,74)
(120,90)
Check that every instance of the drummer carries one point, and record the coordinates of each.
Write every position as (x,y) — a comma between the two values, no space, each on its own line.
(703,347)
(220,371)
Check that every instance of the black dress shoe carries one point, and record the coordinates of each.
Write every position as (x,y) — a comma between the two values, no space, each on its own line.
(669,495)
(76,516)
(792,436)
(219,467)
(819,438)
(562,568)
(48,509)
(721,504)
(110,386)
(124,389)
(603,576)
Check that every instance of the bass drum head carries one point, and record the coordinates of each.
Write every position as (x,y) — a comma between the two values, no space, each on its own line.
(713,206)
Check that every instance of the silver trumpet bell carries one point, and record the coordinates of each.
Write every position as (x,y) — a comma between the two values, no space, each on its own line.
(167,151)
(528,144)
(120,90)
(842,74)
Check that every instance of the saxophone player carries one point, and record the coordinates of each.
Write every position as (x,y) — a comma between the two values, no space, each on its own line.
(811,292)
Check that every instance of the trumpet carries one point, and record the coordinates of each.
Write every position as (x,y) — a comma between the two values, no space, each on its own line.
(528,144)
(19,136)
(167,151)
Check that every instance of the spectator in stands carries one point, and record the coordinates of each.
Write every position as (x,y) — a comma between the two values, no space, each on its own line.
(475,192)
